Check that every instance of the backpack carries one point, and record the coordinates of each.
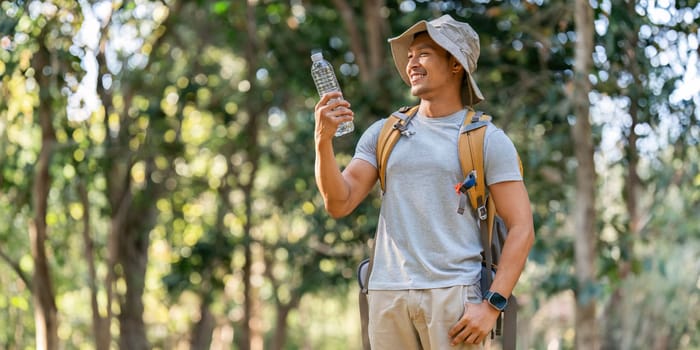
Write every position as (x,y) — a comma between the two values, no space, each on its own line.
(473,189)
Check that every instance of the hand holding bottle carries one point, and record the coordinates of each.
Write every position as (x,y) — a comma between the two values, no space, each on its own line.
(331,112)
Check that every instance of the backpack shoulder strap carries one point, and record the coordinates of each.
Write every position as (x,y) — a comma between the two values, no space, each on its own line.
(471,158)
(394,126)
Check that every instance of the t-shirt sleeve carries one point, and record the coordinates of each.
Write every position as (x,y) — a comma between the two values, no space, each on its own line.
(366,148)
(501,162)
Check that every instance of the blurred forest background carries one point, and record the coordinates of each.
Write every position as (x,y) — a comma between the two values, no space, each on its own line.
(156,168)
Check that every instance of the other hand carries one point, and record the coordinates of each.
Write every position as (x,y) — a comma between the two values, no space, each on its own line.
(475,325)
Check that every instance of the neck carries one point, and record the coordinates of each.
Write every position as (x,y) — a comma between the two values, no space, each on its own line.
(441,102)
(435,109)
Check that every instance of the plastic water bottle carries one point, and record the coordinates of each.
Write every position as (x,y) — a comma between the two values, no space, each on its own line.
(325,80)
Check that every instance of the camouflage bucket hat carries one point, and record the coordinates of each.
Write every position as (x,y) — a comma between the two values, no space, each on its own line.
(458,38)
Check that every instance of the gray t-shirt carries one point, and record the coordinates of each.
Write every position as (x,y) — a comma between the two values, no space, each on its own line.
(421,241)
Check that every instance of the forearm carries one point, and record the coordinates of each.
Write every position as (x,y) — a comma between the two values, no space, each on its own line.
(329,180)
(513,259)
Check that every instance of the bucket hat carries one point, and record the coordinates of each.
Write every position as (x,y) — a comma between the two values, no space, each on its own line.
(458,38)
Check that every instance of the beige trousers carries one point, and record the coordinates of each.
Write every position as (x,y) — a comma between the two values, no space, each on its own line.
(418,319)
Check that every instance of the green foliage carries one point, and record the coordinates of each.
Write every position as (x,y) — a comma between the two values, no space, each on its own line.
(208,122)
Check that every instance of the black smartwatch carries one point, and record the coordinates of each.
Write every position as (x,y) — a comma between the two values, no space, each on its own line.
(496,300)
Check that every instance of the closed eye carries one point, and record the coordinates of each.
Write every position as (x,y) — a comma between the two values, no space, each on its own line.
(420,54)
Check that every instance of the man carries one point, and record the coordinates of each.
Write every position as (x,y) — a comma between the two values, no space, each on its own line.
(424,288)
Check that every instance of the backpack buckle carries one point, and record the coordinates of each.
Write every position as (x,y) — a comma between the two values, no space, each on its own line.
(477,116)
(481,212)
(403,129)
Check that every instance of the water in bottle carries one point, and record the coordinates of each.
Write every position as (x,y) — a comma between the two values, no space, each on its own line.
(325,80)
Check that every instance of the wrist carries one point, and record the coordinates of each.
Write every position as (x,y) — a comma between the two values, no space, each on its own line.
(323,140)
(323,143)
(495,300)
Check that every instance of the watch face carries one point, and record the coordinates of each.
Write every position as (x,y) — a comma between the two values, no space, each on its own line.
(498,301)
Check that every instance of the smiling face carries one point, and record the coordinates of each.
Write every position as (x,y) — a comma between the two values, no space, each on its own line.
(432,71)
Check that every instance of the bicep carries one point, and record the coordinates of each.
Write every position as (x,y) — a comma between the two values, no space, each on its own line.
(361,176)
(512,202)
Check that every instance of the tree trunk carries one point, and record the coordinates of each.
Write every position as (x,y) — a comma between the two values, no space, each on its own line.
(102,330)
(133,258)
(251,337)
(281,326)
(632,188)
(127,244)
(243,340)
(376,38)
(45,312)
(584,212)
(356,44)
(99,329)
(203,330)
(369,47)
(633,182)
(120,203)
(131,325)
(120,197)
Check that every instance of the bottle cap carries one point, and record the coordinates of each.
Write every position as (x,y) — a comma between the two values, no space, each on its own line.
(317,56)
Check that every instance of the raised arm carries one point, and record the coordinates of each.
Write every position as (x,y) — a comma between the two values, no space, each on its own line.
(341,191)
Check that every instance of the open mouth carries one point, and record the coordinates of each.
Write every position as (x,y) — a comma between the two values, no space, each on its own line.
(416,77)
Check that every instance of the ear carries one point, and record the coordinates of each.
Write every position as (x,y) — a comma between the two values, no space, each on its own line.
(456,67)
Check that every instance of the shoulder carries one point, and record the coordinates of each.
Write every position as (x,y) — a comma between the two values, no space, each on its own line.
(366,148)
(492,130)
(494,133)
(501,158)
(374,129)
(496,139)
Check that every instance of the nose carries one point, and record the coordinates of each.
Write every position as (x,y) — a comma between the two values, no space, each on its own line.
(412,62)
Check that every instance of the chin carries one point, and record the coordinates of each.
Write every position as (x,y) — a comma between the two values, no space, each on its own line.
(416,91)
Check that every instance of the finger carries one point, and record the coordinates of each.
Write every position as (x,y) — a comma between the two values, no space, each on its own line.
(480,336)
(329,96)
(329,112)
(338,104)
(454,331)
(332,95)
(343,118)
(472,338)
(460,325)
(342,112)
(460,337)
(333,109)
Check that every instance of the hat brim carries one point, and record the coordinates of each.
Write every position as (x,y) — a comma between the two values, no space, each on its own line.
(471,94)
